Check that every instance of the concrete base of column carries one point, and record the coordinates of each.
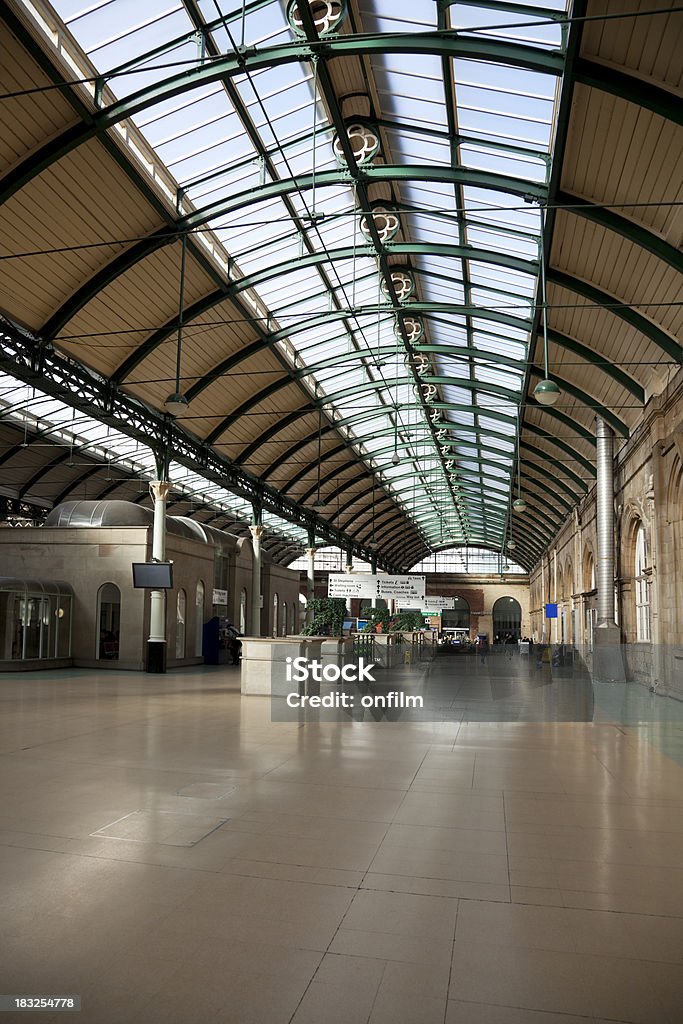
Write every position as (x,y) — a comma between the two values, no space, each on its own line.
(608,655)
(156,656)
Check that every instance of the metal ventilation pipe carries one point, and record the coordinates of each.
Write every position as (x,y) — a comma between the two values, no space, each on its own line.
(605,512)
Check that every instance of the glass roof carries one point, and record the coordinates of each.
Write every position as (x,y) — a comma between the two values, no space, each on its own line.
(432,372)
(32,411)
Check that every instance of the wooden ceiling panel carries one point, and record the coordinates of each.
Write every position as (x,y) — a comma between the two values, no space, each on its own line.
(140,301)
(602,330)
(620,153)
(618,267)
(30,119)
(649,46)
(56,212)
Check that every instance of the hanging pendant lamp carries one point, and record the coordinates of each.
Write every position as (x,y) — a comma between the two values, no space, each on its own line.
(546,391)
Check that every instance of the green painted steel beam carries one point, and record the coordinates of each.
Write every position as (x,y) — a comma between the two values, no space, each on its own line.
(76,302)
(208,302)
(508,7)
(474,409)
(382,519)
(618,82)
(254,59)
(368,175)
(588,400)
(556,469)
(628,229)
(532,485)
(41,472)
(595,359)
(335,397)
(567,422)
(563,446)
(619,309)
(333,474)
(271,432)
(513,395)
(465,353)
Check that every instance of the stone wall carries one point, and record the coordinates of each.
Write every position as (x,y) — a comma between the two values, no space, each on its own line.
(648,496)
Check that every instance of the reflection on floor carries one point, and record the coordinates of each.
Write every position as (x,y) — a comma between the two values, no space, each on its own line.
(514,855)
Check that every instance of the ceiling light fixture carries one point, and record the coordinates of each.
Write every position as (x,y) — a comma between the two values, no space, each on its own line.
(546,391)
(519,504)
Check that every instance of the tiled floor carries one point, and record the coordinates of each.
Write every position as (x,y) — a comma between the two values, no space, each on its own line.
(172,855)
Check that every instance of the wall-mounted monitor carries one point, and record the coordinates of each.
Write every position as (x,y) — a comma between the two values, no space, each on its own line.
(153,575)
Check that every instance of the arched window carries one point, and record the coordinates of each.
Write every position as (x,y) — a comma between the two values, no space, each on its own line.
(507,617)
(109,621)
(588,571)
(641,586)
(283,618)
(199,619)
(243,611)
(181,607)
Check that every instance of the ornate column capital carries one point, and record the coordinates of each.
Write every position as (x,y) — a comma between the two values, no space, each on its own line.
(159,489)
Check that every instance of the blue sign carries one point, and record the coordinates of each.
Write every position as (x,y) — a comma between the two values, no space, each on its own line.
(551,611)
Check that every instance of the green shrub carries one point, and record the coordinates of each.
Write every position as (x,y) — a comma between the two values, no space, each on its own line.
(327,616)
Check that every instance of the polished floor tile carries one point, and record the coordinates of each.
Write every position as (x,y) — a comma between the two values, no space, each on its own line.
(172,855)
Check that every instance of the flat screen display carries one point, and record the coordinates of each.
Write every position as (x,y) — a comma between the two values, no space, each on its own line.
(153,575)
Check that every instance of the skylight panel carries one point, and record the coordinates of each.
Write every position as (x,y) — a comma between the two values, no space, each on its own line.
(282,250)
(416,108)
(283,287)
(436,290)
(431,229)
(489,327)
(504,376)
(509,245)
(416,148)
(503,346)
(526,27)
(194,147)
(483,159)
(504,77)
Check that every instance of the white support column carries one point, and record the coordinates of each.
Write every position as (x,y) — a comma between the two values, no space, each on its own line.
(310,574)
(256,595)
(348,568)
(608,661)
(543,600)
(310,579)
(558,637)
(156,645)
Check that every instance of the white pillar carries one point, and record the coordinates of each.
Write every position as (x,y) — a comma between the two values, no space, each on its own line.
(543,600)
(608,662)
(256,596)
(348,568)
(605,524)
(156,645)
(310,574)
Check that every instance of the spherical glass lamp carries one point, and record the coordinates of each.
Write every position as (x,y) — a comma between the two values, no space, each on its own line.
(547,392)
(519,505)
